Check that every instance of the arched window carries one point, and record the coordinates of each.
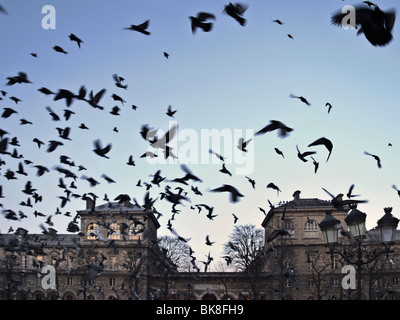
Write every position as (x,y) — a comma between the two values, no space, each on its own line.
(114,232)
(92,230)
(136,230)
(311,229)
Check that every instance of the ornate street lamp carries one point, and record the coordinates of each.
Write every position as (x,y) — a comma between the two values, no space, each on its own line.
(356,222)
(387,226)
(330,227)
(359,256)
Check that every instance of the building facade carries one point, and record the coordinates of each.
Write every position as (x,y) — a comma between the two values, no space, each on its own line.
(116,255)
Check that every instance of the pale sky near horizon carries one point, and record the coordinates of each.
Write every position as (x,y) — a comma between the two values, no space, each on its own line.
(232,80)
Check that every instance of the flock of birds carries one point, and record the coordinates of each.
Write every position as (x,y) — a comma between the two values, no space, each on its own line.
(375,24)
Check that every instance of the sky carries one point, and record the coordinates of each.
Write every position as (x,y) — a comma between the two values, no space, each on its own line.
(225,84)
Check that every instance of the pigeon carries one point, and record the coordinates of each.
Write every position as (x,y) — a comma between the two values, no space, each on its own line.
(273,186)
(378,160)
(99,150)
(59,49)
(140,27)
(208,242)
(323,141)
(338,202)
(73,37)
(242,144)
(302,156)
(283,130)
(301,98)
(375,24)
(199,22)
(236,11)
(234,193)
(274,234)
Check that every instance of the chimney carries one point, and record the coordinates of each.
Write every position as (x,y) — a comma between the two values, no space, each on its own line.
(89,203)
(296,196)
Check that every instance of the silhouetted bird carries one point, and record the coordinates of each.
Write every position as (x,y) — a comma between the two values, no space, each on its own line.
(378,160)
(242,144)
(3,10)
(59,49)
(301,98)
(73,37)
(140,27)
(234,193)
(236,11)
(338,202)
(374,23)
(170,112)
(22,77)
(302,156)
(273,186)
(329,107)
(199,21)
(395,188)
(279,152)
(274,234)
(283,130)
(99,150)
(323,141)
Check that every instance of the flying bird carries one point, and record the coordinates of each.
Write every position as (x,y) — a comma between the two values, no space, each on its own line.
(325,142)
(236,11)
(73,37)
(274,234)
(199,21)
(283,130)
(378,160)
(274,186)
(59,49)
(3,10)
(118,81)
(395,188)
(140,27)
(234,193)
(99,150)
(208,242)
(242,144)
(22,77)
(302,156)
(375,24)
(279,152)
(338,202)
(170,112)
(329,107)
(301,98)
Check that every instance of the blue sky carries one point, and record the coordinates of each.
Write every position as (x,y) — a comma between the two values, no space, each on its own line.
(232,78)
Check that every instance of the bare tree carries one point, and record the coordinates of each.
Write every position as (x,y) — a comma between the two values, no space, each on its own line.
(177,251)
(244,245)
(244,251)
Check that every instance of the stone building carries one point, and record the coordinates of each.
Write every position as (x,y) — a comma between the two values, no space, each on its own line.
(116,255)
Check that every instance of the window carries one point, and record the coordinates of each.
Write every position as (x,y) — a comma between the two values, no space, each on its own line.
(39,262)
(69,262)
(112,282)
(311,229)
(69,281)
(288,225)
(92,230)
(136,230)
(113,262)
(24,262)
(334,282)
(114,232)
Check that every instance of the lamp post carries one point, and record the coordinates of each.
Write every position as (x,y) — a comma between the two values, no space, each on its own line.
(355,220)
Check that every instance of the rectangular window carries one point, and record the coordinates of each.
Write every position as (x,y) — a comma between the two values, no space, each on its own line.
(112,282)
(24,262)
